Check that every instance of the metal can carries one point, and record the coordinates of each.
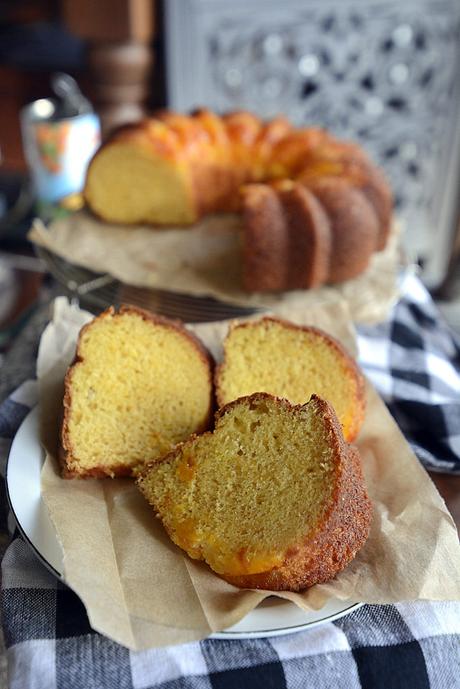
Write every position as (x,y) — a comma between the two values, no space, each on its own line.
(58,147)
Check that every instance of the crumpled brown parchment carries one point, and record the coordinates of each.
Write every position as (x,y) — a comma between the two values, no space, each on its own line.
(204,261)
(142,591)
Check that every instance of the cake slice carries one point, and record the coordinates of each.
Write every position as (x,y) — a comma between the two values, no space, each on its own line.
(265,240)
(310,239)
(355,223)
(286,238)
(272,499)
(139,385)
(283,359)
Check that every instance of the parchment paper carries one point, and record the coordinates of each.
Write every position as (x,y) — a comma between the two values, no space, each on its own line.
(204,260)
(140,590)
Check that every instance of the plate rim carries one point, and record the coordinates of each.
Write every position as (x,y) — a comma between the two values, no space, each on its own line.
(32,416)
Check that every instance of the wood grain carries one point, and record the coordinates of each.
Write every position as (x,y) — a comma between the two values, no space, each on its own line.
(449,488)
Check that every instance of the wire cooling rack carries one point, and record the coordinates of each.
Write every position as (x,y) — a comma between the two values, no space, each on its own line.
(98,291)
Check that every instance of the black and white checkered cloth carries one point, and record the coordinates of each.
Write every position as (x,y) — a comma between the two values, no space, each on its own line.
(413,360)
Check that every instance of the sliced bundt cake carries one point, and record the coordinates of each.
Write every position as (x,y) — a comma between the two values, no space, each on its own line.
(272,499)
(283,359)
(173,169)
(139,385)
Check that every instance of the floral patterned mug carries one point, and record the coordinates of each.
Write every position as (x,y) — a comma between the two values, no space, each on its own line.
(58,146)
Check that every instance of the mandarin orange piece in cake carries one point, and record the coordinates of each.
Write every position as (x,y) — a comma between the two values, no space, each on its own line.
(139,385)
(273,498)
(275,356)
(174,169)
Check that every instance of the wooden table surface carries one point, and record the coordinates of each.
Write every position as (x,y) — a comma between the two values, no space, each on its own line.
(449,488)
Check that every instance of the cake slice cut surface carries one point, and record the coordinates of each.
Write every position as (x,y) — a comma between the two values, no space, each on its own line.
(283,359)
(126,185)
(274,498)
(139,385)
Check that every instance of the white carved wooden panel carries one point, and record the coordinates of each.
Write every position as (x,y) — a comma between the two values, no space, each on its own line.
(381,72)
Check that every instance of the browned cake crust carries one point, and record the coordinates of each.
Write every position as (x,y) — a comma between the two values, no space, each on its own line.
(353,369)
(355,227)
(340,534)
(333,230)
(309,236)
(265,236)
(377,191)
(66,454)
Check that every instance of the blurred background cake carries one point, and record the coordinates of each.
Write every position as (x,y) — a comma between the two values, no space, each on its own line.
(386,80)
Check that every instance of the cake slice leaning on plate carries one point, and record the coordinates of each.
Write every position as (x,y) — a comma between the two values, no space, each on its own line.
(139,385)
(273,498)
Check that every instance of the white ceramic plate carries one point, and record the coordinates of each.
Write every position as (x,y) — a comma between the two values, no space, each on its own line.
(272,617)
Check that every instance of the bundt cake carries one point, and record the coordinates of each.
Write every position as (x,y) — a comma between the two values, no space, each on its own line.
(139,385)
(314,208)
(275,356)
(272,499)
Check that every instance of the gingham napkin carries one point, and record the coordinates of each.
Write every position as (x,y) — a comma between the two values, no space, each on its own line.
(414,362)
